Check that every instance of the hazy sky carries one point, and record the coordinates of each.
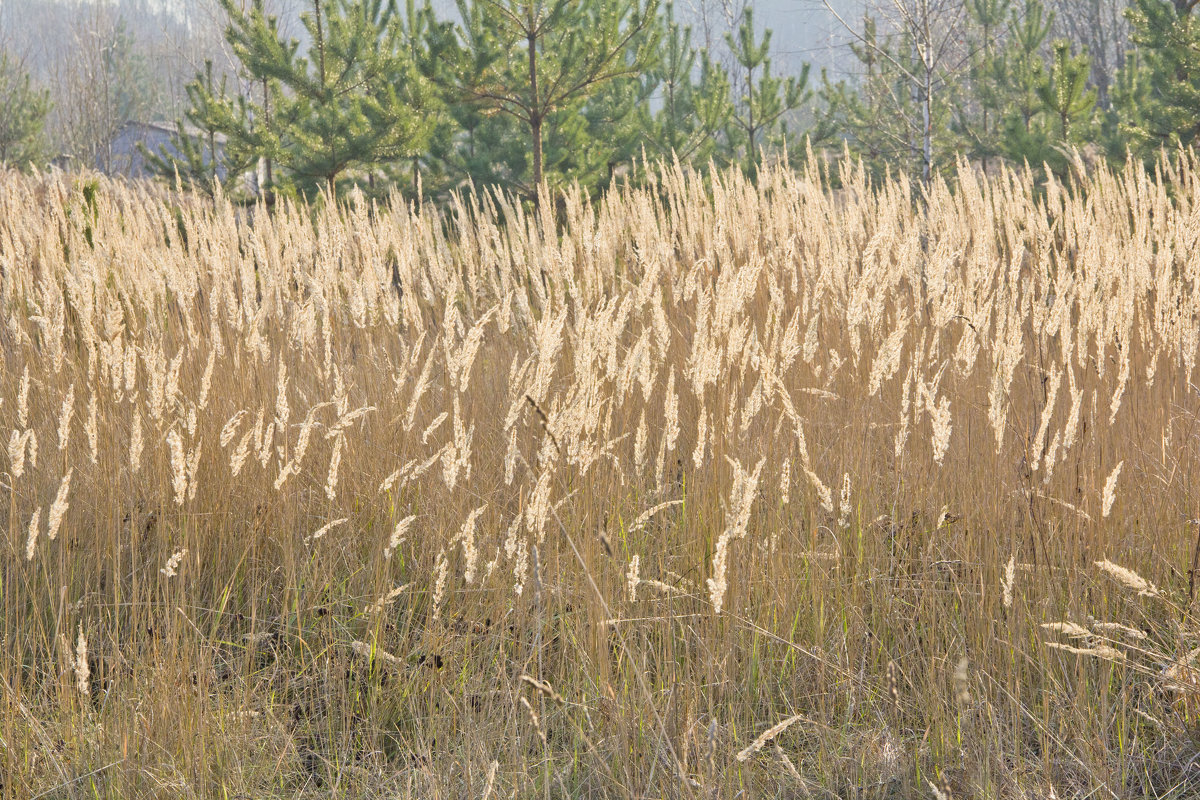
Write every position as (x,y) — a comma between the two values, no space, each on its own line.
(804,30)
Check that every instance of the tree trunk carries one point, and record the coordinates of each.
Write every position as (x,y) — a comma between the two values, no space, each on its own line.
(927,107)
(535,128)
(987,50)
(750,154)
(535,111)
(927,122)
(914,96)
(323,89)
(268,179)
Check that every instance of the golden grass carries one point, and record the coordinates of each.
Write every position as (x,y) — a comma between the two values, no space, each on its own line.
(401,501)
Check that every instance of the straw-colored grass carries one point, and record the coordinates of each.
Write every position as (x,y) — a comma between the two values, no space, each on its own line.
(602,500)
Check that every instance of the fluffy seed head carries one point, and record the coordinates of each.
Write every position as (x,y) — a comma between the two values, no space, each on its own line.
(58,508)
(135,442)
(171,568)
(1006,587)
(64,418)
(1110,490)
(399,534)
(1128,578)
(83,672)
(178,467)
(31,538)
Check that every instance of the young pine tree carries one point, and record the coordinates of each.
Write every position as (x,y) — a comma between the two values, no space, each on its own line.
(880,113)
(862,110)
(1065,94)
(198,155)
(23,112)
(696,103)
(1024,137)
(1126,111)
(432,45)
(349,106)
(476,144)
(549,58)
(1167,114)
(758,119)
(979,120)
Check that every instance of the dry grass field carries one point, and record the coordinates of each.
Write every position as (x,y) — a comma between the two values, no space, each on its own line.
(699,491)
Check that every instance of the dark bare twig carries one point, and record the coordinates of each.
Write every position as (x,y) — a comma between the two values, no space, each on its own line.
(545,422)
(1195,565)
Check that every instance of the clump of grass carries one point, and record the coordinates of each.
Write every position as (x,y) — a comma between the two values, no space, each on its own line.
(389,500)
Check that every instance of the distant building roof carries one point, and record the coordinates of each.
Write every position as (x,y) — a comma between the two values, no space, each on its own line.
(123,156)
(170,129)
